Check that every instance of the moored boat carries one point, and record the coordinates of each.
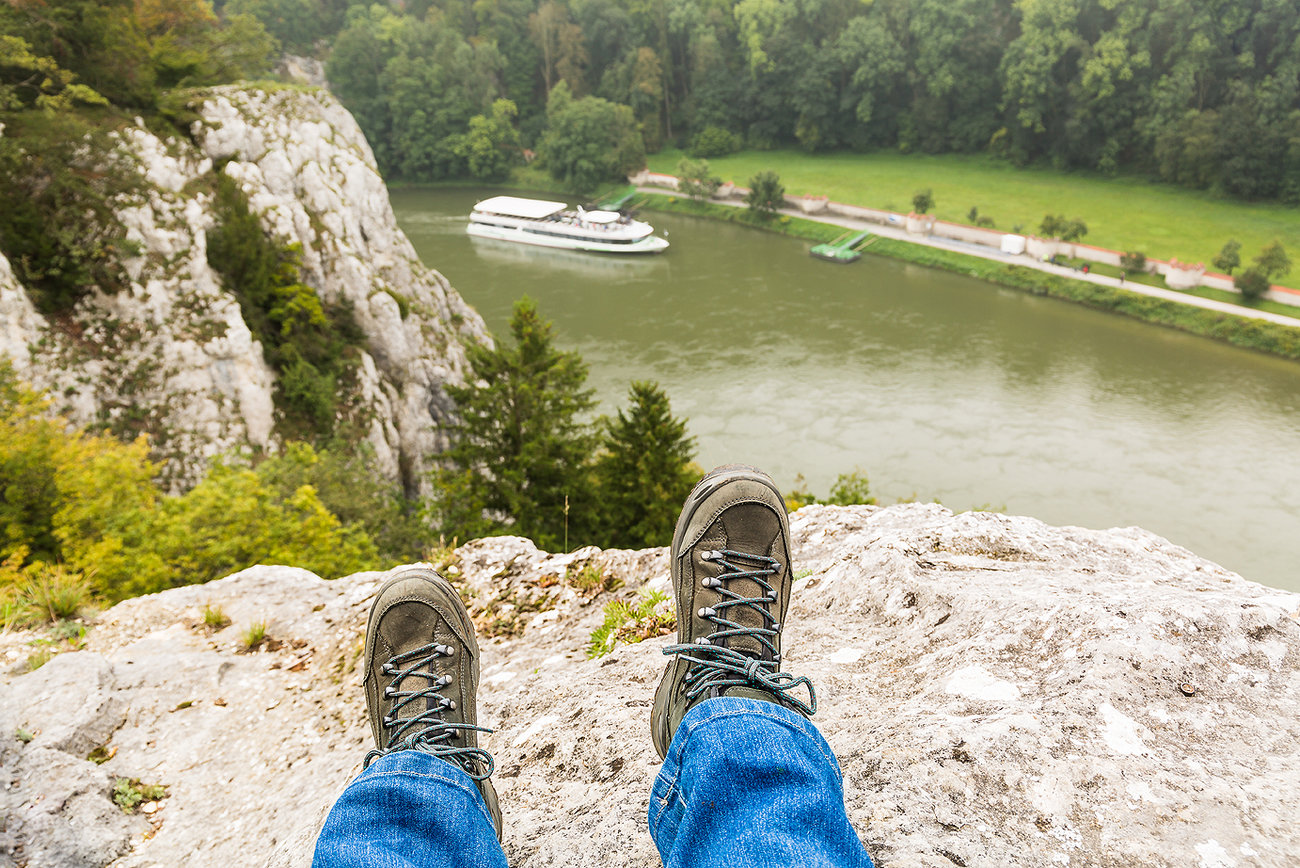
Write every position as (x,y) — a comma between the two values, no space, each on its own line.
(553,224)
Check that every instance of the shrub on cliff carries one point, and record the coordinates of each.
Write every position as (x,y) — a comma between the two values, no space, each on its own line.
(309,343)
(89,502)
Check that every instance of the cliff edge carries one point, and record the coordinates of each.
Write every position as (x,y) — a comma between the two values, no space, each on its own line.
(171,354)
(998,691)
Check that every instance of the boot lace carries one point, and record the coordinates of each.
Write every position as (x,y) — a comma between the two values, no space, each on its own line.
(427,731)
(712,665)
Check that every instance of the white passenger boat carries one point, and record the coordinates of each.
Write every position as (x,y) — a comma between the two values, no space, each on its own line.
(552,224)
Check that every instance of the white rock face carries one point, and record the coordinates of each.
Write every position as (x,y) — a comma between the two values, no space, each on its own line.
(998,692)
(172,356)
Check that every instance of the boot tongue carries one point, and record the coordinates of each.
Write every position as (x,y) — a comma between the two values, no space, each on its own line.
(750,693)
(749,528)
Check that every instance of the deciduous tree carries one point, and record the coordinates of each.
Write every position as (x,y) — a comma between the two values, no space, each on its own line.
(1229,257)
(589,141)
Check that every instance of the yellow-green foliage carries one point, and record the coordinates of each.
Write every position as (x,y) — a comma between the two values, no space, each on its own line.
(89,503)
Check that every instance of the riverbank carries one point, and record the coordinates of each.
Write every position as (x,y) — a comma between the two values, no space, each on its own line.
(1124,212)
(1263,331)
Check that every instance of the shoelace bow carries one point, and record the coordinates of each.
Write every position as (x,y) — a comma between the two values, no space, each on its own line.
(427,731)
(714,666)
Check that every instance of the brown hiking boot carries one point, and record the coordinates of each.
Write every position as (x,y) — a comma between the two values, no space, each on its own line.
(422,666)
(731,582)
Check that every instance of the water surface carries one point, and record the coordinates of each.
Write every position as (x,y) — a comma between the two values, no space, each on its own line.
(938,386)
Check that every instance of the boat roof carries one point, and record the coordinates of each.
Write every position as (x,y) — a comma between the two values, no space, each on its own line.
(600,216)
(515,206)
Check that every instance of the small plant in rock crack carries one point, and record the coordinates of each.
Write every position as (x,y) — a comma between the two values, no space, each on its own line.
(629,623)
(589,580)
(214,618)
(128,793)
(254,636)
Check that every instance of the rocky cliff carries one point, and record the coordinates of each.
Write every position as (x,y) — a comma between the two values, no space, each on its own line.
(171,355)
(998,691)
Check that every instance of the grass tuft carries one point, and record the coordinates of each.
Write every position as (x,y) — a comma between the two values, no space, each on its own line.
(214,618)
(629,623)
(254,636)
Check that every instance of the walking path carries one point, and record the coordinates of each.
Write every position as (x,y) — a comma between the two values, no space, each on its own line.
(900,234)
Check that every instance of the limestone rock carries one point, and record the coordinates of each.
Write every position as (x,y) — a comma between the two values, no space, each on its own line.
(171,355)
(998,691)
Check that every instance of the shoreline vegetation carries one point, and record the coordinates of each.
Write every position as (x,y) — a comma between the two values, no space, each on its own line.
(1258,335)
(1128,211)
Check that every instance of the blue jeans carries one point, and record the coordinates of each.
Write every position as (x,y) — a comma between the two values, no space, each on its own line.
(745,783)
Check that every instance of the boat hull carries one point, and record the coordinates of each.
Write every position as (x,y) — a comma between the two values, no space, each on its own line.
(649,244)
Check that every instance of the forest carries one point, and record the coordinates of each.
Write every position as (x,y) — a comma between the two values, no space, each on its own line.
(1201,94)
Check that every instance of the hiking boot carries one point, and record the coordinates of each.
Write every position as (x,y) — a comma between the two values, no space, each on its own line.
(422,668)
(731,584)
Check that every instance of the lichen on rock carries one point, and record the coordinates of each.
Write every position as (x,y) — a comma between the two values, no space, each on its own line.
(997,690)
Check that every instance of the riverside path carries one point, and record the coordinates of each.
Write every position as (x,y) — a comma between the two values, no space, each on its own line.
(900,234)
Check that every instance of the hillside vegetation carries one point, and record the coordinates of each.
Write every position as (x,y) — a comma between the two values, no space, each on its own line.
(1203,95)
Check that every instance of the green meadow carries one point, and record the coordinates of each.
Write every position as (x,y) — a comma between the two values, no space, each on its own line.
(1124,212)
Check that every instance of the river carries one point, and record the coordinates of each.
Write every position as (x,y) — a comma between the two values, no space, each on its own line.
(937,386)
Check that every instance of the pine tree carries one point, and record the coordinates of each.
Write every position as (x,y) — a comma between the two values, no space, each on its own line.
(645,470)
(520,463)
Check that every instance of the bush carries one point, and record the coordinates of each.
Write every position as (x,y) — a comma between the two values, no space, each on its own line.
(1229,258)
(1133,262)
(90,504)
(714,141)
(849,489)
(694,179)
(1056,226)
(310,345)
(59,178)
(1252,284)
(923,201)
(766,194)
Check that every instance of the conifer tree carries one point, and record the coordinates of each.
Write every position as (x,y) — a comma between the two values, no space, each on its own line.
(645,471)
(520,463)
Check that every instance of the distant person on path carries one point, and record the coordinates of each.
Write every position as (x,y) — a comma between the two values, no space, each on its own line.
(747,781)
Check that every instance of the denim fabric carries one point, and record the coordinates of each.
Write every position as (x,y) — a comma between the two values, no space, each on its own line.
(746,783)
(409,810)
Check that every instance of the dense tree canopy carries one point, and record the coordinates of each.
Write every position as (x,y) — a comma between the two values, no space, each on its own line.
(1205,94)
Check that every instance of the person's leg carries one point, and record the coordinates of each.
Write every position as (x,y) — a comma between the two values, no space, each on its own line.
(746,780)
(410,809)
(425,797)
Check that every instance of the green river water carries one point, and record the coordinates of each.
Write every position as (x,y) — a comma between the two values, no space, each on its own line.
(938,386)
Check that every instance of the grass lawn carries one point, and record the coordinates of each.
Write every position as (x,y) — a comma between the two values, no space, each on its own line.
(1122,213)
